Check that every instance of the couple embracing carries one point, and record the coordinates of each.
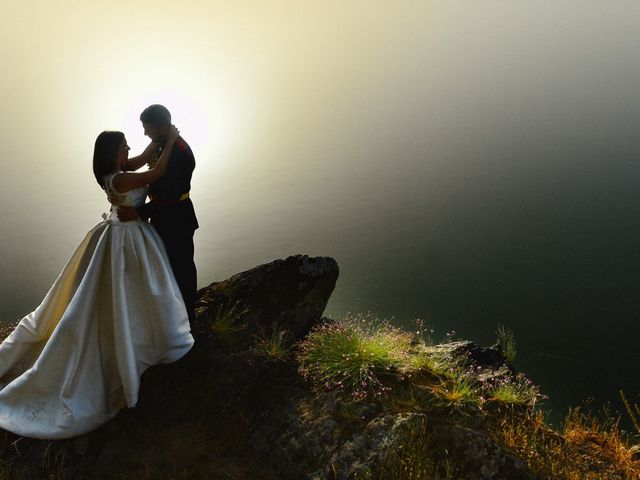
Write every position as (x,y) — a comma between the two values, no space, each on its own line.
(123,302)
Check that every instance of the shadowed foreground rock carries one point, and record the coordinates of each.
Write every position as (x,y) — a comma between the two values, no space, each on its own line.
(220,414)
(292,293)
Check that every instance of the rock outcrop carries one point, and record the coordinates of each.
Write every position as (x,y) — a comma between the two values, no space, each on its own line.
(292,293)
(220,414)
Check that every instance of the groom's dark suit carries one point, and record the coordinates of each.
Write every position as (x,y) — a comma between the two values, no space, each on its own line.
(171,213)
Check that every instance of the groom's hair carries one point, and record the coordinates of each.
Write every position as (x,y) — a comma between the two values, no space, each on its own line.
(156,115)
(104,154)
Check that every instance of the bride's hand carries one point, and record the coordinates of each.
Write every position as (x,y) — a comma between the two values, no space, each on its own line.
(172,133)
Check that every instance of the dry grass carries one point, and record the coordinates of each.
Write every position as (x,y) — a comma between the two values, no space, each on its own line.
(598,441)
(587,448)
(633,411)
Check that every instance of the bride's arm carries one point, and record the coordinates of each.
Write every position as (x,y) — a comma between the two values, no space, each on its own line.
(123,182)
(134,163)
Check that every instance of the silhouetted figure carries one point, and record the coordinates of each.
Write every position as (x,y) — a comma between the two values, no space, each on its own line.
(170,209)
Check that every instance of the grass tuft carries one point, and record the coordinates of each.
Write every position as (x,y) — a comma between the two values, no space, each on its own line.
(430,363)
(228,326)
(275,346)
(460,393)
(355,354)
(507,342)
(518,390)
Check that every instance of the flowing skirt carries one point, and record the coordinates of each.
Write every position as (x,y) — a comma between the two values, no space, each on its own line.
(74,362)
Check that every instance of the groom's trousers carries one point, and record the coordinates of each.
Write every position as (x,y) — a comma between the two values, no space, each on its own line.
(176,225)
(179,245)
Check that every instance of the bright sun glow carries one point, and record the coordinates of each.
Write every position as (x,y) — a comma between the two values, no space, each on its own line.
(205,117)
(187,113)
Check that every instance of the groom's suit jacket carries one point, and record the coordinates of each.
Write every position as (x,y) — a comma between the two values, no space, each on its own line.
(166,209)
(171,213)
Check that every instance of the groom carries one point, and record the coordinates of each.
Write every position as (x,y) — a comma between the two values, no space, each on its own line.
(170,209)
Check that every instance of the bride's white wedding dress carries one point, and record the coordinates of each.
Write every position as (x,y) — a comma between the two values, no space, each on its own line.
(115,310)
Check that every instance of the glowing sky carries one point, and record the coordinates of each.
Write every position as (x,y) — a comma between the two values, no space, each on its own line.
(468,162)
(378,119)
(259,75)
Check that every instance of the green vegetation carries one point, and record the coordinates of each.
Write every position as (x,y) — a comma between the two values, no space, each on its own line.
(507,343)
(430,362)
(275,346)
(228,326)
(357,354)
(516,390)
(460,393)
(367,359)
(380,370)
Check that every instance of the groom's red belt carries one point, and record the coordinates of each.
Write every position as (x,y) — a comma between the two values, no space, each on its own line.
(162,203)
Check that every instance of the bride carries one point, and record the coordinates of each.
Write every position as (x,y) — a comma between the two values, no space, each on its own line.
(74,362)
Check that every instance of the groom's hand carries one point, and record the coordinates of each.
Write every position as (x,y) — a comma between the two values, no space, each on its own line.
(127,214)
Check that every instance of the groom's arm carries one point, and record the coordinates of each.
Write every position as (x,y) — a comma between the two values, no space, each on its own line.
(127,213)
(146,211)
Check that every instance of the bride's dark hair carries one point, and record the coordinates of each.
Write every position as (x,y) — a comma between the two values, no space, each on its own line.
(104,154)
